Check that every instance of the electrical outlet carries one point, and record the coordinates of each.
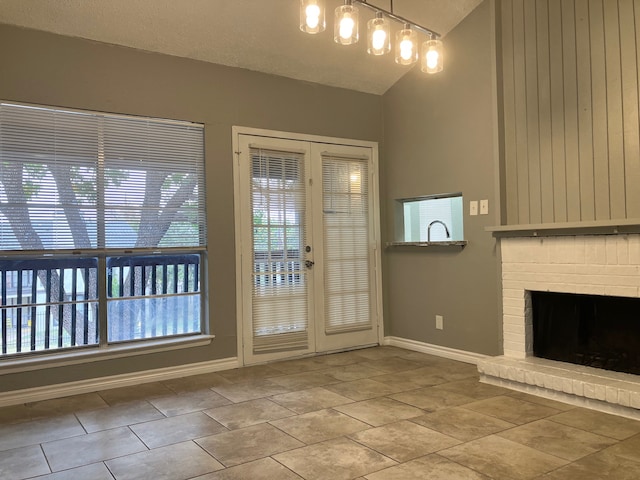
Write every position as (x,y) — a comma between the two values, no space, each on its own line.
(473,207)
(439,322)
(484,207)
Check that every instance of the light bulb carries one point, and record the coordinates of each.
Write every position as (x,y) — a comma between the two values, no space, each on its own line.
(379,38)
(346,27)
(432,56)
(406,46)
(378,35)
(313,16)
(432,59)
(406,49)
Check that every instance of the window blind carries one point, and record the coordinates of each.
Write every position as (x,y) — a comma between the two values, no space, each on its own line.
(346,244)
(85,180)
(279,296)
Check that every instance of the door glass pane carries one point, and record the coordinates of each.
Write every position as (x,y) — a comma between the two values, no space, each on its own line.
(279,306)
(346,244)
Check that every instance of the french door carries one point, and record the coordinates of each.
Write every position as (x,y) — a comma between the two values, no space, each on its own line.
(308,247)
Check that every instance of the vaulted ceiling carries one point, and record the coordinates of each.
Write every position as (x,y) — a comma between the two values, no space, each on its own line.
(260,35)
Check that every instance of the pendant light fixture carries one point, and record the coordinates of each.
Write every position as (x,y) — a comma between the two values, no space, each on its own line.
(432,61)
(345,32)
(345,28)
(312,18)
(406,46)
(378,35)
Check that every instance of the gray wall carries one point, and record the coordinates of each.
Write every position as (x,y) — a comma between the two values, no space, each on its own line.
(571,132)
(440,137)
(47,69)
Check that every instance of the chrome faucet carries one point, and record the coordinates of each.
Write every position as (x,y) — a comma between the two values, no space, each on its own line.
(446,230)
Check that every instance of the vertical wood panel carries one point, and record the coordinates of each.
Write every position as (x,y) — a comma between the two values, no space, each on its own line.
(557,111)
(585,111)
(544,111)
(615,127)
(600,124)
(510,151)
(629,58)
(533,131)
(572,152)
(520,91)
(572,109)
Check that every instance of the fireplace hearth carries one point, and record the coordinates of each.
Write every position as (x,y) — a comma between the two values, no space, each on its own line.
(575,265)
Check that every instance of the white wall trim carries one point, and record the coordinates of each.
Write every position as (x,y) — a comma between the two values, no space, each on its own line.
(48,392)
(84,355)
(438,350)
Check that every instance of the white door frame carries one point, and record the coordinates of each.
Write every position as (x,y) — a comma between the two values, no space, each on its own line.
(238,202)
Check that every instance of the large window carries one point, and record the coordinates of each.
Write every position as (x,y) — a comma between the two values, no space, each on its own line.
(102,228)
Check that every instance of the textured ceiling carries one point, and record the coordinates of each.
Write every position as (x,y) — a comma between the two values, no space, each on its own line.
(260,35)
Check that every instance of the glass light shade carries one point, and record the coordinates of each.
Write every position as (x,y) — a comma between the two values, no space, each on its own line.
(345,28)
(378,36)
(406,46)
(431,56)
(312,18)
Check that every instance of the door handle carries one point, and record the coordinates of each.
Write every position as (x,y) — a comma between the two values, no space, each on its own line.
(309,263)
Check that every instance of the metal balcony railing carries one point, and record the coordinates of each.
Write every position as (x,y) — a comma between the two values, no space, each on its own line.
(277,268)
(48,303)
(153,295)
(52,303)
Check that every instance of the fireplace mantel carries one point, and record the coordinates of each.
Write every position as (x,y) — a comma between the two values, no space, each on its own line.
(600,227)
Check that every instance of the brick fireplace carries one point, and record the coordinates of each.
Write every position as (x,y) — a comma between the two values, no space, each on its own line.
(583,264)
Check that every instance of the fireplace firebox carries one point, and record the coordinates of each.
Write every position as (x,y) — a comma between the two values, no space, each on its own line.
(592,330)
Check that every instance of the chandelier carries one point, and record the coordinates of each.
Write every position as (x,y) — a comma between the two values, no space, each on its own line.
(346,32)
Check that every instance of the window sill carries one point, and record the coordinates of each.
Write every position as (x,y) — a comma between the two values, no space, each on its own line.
(453,243)
(95,354)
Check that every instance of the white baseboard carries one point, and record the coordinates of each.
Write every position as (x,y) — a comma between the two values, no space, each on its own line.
(446,352)
(48,392)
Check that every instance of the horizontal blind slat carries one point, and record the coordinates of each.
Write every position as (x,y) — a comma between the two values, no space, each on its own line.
(53,161)
(346,243)
(279,294)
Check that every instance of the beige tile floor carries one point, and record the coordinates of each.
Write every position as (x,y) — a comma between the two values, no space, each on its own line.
(376,414)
